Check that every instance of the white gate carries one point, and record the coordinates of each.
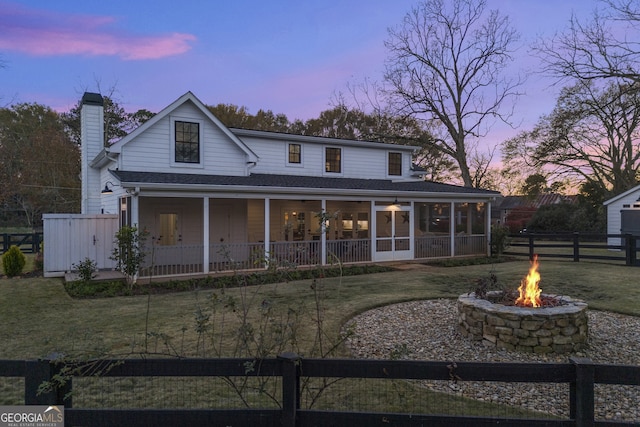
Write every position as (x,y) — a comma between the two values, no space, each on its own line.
(70,238)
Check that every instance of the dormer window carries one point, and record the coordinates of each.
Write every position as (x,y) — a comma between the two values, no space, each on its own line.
(395,164)
(187,142)
(333,160)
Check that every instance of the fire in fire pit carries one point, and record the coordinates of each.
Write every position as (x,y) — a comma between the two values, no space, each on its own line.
(529,289)
(526,320)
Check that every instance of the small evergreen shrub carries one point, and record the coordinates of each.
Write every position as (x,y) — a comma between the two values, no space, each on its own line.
(86,269)
(13,261)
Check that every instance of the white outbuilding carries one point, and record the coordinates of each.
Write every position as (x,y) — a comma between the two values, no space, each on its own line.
(623,214)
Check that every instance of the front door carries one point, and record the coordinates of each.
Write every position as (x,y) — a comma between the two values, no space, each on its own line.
(393,234)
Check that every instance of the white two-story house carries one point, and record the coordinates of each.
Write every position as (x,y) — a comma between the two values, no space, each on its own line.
(214,198)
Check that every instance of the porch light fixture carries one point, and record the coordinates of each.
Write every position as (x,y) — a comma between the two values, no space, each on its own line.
(106,189)
(395,202)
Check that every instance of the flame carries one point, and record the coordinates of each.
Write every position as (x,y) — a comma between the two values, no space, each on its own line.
(529,289)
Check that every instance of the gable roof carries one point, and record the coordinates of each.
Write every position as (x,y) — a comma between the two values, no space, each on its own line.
(622,195)
(293,182)
(189,96)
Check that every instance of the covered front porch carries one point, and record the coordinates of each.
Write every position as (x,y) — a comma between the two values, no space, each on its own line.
(202,234)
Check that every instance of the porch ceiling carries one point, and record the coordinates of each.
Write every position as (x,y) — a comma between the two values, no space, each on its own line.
(279,182)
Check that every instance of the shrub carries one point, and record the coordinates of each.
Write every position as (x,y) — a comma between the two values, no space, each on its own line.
(499,239)
(13,261)
(129,252)
(86,269)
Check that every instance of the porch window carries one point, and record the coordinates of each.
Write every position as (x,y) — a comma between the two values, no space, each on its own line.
(187,142)
(395,163)
(295,153)
(333,160)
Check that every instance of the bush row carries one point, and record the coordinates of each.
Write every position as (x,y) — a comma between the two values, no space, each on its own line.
(85,289)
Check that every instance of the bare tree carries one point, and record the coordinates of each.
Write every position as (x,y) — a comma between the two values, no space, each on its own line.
(446,64)
(592,136)
(601,48)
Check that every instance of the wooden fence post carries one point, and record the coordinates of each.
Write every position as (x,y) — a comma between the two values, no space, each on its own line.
(576,247)
(290,388)
(38,373)
(5,242)
(35,243)
(630,248)
(531,248)
(582,392)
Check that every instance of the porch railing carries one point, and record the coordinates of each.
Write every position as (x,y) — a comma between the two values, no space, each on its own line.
(187,259)
(236,256)
(173,260)
(351,250)
(470,244)
(432,246)
(292,254)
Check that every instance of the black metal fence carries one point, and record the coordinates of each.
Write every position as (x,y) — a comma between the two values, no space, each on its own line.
(27,242)
(290,372)
(576,246)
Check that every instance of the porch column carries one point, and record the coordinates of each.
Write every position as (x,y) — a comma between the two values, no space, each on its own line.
(452,227)
(412,230)
(205,235)
(372,230)
(487,233)
(135,208)
(267,229)
(323,234)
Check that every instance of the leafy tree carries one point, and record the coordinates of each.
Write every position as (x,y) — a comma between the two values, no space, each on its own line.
(552,219)
(39,166)
(129,252)
(534,185)
(239,117)
(445,65)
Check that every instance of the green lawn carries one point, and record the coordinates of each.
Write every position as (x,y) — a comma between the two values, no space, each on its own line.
(39,317)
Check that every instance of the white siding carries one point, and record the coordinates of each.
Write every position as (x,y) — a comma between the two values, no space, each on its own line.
(357,162)
(614,220)
(152,151)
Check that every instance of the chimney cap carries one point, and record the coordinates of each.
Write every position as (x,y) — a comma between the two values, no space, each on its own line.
(90,98)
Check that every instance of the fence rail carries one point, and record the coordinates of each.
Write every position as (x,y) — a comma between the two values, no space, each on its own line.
(27,242)
(291,371)
(577,246)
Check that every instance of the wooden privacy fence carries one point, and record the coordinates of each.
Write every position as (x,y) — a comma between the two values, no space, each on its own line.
(291,371)
(577,246)
(27,242)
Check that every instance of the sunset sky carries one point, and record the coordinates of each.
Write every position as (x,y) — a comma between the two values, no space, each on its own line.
(289,56)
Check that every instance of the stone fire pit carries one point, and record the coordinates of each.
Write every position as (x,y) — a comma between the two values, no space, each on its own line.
(559,329)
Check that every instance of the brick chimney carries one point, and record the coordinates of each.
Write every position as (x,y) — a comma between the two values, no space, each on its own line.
(91,144)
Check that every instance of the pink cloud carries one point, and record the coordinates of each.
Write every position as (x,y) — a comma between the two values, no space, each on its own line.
(46,33)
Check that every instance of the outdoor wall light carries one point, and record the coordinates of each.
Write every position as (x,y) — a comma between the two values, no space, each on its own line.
(106,189)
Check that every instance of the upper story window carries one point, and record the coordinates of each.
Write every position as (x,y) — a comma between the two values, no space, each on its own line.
(295,153)
(395,163)
(187,142)
(333,160)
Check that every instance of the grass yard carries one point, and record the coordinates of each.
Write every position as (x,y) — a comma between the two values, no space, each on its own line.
(39,317)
